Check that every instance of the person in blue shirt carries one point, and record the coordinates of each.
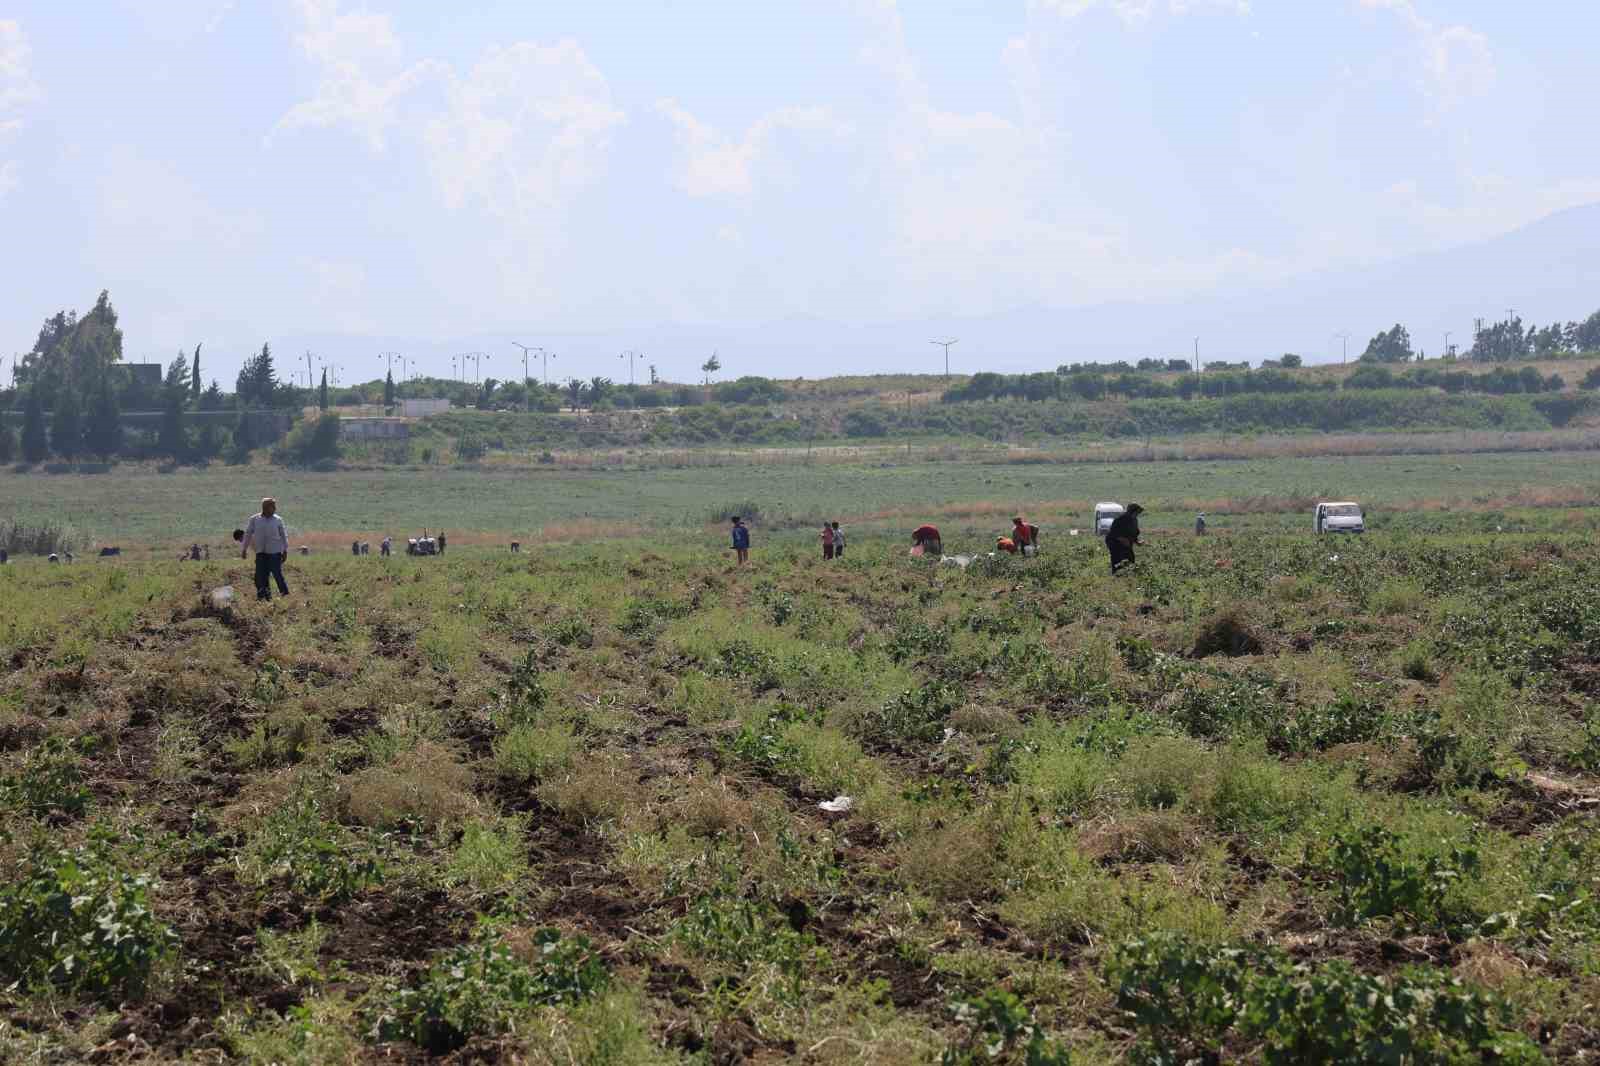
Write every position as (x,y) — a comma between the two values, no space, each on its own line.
(741,540)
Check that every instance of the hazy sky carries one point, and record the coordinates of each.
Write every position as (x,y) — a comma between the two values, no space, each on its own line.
(237,169)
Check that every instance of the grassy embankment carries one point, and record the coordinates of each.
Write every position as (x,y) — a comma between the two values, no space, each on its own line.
(141,508)
(565,806)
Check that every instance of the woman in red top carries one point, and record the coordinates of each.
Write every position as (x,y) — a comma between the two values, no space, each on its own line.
(827,542)
(927,538)
(1024,536)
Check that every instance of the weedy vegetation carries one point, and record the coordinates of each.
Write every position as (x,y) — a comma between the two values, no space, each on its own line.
(1265,798)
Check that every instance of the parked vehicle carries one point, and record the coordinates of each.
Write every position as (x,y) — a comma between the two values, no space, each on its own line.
(1104,515)
(1340,518)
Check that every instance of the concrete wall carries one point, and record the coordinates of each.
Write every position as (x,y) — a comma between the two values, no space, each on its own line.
(373,429)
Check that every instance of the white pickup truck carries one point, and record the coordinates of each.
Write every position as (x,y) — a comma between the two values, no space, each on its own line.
(1104,515)
(1340,518)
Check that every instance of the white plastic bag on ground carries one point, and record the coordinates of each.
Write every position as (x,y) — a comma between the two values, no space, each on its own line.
(222,598)
(837,805)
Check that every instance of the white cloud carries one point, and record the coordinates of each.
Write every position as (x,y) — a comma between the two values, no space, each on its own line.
(715,165)
(1139,12)
(1457,59)
(525,130)
(363,76)
(17,91)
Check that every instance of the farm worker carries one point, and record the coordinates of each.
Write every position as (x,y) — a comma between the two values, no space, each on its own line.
(838,542)
(827,541)
(1025,536)
(741,540)
(266,533)
(1200,524)
(1005,544)
(441,542)
(1122,536)
(925,540)
(386,547)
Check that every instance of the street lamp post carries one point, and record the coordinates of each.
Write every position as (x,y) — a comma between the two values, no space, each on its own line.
(632,357)
(946,346)
(526,348)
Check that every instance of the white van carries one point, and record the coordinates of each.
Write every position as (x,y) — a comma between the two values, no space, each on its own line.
(1340,518)
(1104,515)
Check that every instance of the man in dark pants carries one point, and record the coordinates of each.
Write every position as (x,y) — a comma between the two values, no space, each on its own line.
(1122,536)
(266,533)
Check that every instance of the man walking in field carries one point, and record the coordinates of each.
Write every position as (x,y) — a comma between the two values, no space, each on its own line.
(266,533)
(741,540)
(838,542)
(1122,536)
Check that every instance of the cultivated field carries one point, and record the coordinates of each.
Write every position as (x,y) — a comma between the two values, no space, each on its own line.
(1268,797)
(139,508)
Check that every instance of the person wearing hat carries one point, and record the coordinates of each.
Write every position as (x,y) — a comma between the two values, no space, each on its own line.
(741,540)
(1122,536)
(1200,524)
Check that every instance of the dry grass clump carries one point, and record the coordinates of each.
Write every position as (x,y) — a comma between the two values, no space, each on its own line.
(710,810)
(1229,633)
(959,860)
(426,784)
(1143,836)
(603,788)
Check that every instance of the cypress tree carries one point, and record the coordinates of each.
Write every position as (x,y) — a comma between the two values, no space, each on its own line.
(388,389)
(66,426)
(105,423)
(322,393)
(194,377)
(35,444)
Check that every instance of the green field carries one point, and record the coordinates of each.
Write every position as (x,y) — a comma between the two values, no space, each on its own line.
(137,506)
(1255,801)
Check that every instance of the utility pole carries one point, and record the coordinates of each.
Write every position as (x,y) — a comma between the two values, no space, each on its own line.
(1344,348)
(632,357)
(1511,314)
(1197,357)
(1447,352)
(946,346)
(391,357)
(526,348)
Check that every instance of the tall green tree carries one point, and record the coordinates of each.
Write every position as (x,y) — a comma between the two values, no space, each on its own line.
(171,438)
(104,432)
(257,384)
(177,379)
(1392,346)
(388,389)
(73,352)
(322,391)
(212,398)
(244,438)
(35,443)
(194,377)
(8,444)
(66,425)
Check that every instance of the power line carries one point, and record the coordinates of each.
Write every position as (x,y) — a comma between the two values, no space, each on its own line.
(946,346)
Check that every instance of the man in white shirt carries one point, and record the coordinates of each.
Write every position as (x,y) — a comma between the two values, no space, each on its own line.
(266,533)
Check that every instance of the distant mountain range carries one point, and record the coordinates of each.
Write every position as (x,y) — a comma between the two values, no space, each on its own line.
(1546,271)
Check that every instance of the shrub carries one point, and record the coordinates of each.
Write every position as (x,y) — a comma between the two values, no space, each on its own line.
(1190,999)
(47,779)
(1377,876)
(296,845)
(484,987)
(571,632)
(533,752)
(524,696)
(1000,1029)
(914,716)
(74,919)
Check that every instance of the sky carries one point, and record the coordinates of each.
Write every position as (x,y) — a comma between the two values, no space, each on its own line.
(235,171)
